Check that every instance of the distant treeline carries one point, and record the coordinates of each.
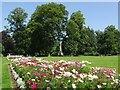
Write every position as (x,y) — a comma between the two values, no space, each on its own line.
(48,26)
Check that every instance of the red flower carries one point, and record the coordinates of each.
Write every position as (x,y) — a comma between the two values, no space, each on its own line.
(43,74)
(79,72)
(22,63)
(29,81)
(33,86)
(33,60)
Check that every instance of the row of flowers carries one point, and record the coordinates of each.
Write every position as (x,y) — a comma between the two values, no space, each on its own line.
(20,83)
(39,73)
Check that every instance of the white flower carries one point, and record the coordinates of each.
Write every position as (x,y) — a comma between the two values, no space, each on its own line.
(62,68)
(65,87)
(33,79)
(85,75)
(114,71)
(35,68)
(81,75)
(73,70)
(83,61)
(16,76)
(30,63)
(47,81)
(112,83)
(116,81)
(89,63)
(118,74)
(20,82)
(91,77)
(68,80)
(80,80)
(58,77)
(22,86)
(67,74)
(61,61)
(95,76)
(50,66)
(112,77)
(74,76)
(73,85)
(28,72)
(104,83)
(99,86)
(48,88)
(83,65)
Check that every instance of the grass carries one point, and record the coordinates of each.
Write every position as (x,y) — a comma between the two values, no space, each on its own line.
(101,61)
(6,80)
(0,73)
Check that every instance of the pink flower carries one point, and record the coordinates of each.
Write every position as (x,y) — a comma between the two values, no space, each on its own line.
(29,81)
(33,86)
(43,74)
(33,60)
(53,71)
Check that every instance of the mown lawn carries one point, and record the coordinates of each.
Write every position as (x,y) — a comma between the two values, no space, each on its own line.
(0,73)
(6,80)
(101,61)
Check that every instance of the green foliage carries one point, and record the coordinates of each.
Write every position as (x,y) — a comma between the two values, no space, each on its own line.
(1,48)
(107,41)
(7,43)
(16,20)
(47,23)
(87,41)
(71,44)
(78,18)
(73,27)
(36,54)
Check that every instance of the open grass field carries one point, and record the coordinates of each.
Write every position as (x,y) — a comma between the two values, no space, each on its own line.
(100,61)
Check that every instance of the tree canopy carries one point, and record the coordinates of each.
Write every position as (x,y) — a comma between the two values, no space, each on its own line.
(47,25)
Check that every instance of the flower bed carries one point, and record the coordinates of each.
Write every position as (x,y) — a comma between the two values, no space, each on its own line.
(38,73)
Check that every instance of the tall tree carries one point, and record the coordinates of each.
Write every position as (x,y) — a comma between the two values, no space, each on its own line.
(17,26)
(111,40)
(78,18)
(47,25)
(71,42)
(100,42)
(87,41)
(7,42)
(108,41)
